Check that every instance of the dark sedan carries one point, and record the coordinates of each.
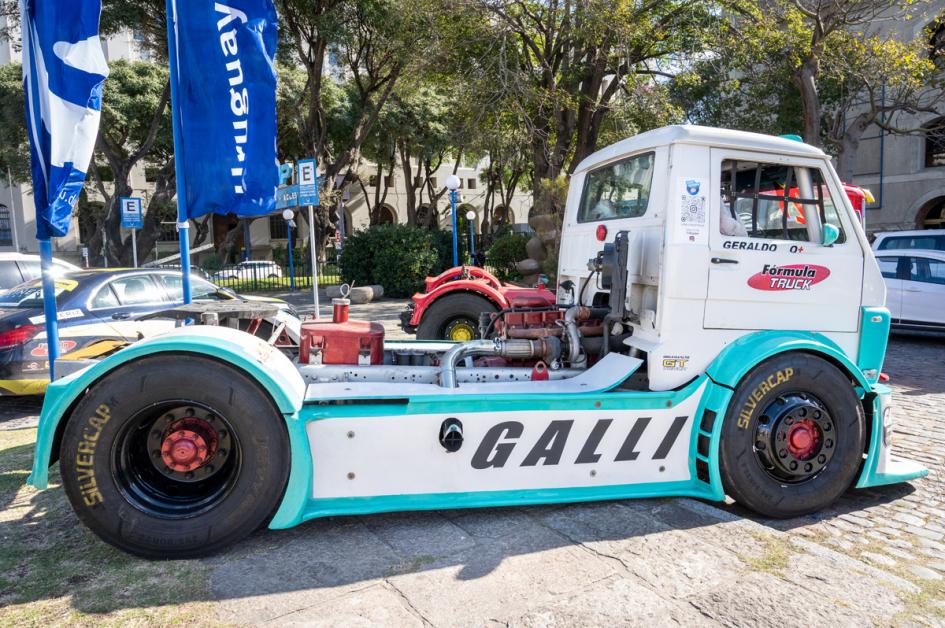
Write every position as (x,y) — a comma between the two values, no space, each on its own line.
(99,312)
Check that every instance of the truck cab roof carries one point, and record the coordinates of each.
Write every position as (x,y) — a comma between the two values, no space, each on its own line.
(702,135)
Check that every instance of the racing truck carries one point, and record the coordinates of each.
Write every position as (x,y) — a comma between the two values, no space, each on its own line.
(703,342)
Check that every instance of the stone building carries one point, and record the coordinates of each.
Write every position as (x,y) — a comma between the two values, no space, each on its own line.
(906,173)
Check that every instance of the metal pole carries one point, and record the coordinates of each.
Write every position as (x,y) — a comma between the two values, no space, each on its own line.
(134,245)
(311,250)
(455,243)
(49,305)
(16,241)
(288,227)
(182,216)
(472,242)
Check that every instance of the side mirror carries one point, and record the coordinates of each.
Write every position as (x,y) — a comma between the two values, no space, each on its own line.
(829,234)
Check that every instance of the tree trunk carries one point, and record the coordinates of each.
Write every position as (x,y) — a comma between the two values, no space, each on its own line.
(849,146)
(806,80)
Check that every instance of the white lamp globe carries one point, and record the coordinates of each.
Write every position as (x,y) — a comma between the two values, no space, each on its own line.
(288,214)
(470,215)
(452,182)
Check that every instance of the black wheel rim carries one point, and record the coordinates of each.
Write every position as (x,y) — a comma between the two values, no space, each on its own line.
(795,438)
(176,459)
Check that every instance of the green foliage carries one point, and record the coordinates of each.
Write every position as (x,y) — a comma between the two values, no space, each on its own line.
(398,257)
(503,255)
(300,256)
(14,146)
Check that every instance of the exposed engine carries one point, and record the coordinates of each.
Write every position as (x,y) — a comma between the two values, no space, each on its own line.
(553,342)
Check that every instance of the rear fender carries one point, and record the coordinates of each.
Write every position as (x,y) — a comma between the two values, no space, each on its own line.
(480,288)
(264,363)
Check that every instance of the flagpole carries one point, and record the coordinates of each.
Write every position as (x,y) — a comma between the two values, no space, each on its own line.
(182,216)
(49,305)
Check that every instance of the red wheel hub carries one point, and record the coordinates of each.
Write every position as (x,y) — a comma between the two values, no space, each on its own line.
(188,444)
(803,439)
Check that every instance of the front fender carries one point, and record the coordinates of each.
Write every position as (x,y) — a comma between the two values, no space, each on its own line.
(735,360)
(264,363)
(480,288)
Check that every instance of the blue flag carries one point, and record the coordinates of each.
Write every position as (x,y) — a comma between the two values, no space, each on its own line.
(225,106)
(63,72)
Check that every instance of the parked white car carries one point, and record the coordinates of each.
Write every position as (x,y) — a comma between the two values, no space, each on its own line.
(15,268)
(915,288)
(250,269)
(928,239)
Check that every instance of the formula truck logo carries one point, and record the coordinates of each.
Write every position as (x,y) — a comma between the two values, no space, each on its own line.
(790,277)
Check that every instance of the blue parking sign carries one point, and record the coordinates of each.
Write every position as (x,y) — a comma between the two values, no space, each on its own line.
(308,182)
(131,215)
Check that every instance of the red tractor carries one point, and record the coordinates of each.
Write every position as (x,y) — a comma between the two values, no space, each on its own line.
(450,304)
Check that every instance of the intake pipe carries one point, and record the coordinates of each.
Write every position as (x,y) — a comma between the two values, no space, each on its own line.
(571,318)
(547,349)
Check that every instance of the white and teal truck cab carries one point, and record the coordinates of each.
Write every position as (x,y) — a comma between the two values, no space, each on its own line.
(720,330)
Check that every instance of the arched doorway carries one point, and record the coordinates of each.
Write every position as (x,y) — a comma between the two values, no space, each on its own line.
(500,216)
(387,215)
(932,214)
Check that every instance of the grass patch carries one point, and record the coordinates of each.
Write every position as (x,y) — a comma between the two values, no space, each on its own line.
(774,557)
(53,570)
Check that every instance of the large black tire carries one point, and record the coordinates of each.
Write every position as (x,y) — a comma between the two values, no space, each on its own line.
(451,313)
(124,490)
(793,436)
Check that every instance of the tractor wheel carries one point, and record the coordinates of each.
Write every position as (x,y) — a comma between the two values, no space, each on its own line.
(174,456)
(454,317)
(793,437)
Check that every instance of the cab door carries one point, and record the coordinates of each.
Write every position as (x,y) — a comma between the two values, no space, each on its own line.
(923,293)
(768,268)
(893,269)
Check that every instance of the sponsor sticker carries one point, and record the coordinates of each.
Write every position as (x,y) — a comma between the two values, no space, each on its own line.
(42,349)
(675,362)
(61,316)
(692,209)
(788,277)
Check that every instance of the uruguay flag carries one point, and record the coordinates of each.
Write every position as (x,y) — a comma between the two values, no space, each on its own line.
(63,72)
(222,56)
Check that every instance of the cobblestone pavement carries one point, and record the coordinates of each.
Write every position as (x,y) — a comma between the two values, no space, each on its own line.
(877,557)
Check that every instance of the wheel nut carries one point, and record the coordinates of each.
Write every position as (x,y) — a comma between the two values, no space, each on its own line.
(793,466)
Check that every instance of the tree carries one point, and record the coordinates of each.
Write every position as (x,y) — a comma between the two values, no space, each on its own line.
(821,68)
(372,43)
(567,65)
(135,128)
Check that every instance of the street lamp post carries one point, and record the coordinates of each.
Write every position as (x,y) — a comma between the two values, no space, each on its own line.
(471,219)
(288,214)
(452,184)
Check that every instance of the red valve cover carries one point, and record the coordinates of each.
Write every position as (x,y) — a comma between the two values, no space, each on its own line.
(351,342)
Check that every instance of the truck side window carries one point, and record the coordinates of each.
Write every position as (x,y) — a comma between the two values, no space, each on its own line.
(772,200)
(617,190)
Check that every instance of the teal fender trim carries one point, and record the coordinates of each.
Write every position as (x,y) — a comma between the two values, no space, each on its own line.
(880,468)
(267,365)
(300,505)
(735,360)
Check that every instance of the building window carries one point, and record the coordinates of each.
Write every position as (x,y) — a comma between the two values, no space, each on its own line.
(433,182)
(372,181)
(6,226)
(935,143)
(169,232)
(388,181)
(278,227)
(471,184)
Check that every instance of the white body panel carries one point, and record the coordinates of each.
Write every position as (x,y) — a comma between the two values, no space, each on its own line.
(687,309)
(401,455)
